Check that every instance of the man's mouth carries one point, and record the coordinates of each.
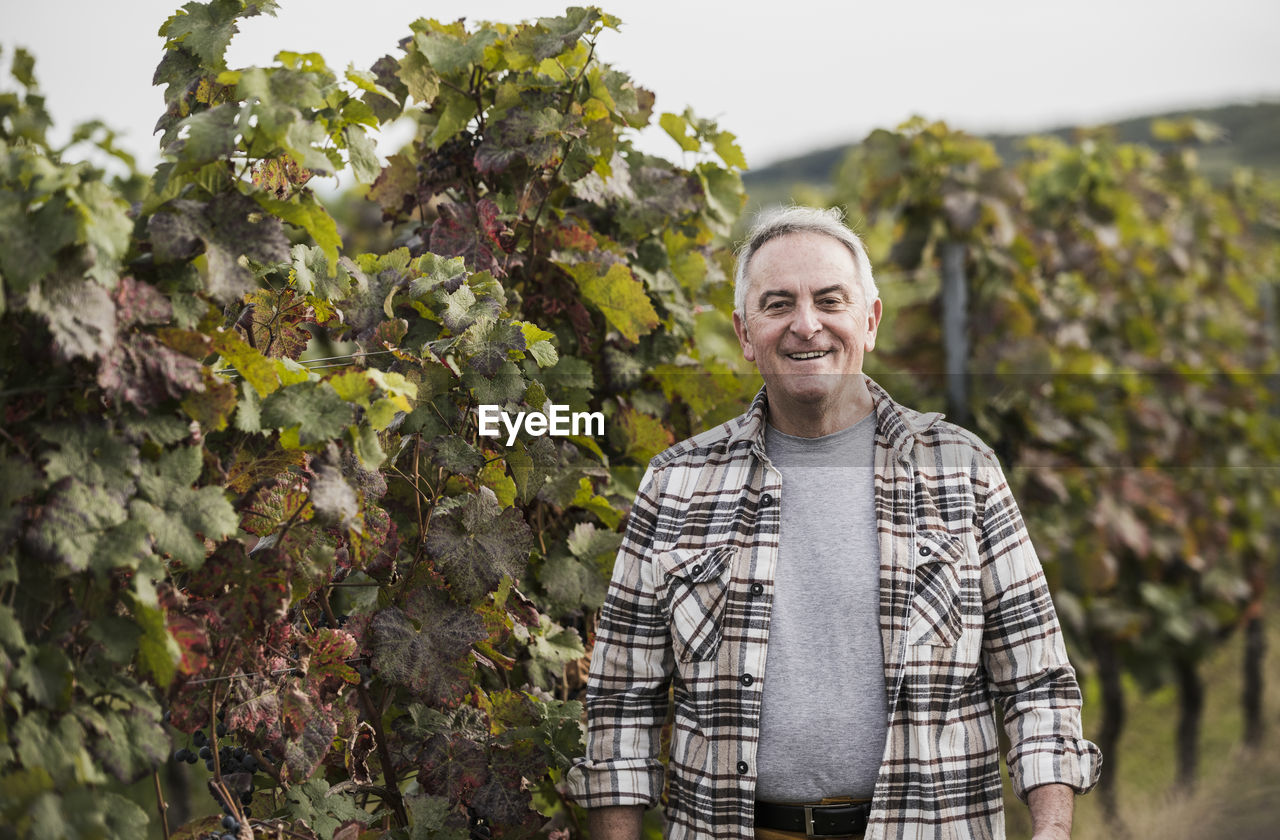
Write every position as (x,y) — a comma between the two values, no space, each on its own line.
(811,354)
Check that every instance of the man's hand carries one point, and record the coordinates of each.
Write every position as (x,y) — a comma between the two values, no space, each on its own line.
(621,822)
(1051,807)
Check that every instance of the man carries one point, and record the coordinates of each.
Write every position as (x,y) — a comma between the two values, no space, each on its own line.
(836,591)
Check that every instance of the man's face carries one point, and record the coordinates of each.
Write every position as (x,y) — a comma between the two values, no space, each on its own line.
(807,325)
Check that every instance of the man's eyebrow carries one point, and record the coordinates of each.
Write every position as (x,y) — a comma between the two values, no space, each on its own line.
(838,287)
(774,293)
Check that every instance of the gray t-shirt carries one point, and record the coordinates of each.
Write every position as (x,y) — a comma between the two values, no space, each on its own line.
(824,719)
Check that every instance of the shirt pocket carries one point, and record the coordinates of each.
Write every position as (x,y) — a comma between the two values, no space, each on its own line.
(937,614)
(694,589)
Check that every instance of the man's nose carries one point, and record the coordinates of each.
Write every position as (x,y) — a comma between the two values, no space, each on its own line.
(805,322)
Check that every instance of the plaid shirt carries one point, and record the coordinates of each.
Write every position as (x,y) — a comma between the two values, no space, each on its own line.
(965,617)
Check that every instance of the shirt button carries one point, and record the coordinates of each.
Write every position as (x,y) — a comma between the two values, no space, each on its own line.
(757,589)
(742,768)
(766,500)
(924,551)
(747,679)
(697,568)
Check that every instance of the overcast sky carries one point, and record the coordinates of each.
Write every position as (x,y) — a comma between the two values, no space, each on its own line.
(786,76)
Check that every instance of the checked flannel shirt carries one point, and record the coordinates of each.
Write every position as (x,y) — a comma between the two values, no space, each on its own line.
(965,617)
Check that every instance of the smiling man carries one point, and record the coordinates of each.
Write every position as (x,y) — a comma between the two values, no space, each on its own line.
(830,595)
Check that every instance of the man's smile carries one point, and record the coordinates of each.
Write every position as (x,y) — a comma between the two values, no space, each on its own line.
(808,354)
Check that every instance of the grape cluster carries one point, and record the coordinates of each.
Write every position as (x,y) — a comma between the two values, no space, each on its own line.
(229,824)
(231,759)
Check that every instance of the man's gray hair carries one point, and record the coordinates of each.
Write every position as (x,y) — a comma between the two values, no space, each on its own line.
(770,224)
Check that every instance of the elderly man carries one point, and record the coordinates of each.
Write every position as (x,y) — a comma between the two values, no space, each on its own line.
(834,592)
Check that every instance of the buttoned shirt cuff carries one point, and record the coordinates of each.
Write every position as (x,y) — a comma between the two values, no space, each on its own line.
(618,781)
(1054,760)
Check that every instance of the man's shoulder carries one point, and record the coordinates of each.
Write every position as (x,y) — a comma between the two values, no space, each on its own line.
(938,439)
(947,434)
(705,447)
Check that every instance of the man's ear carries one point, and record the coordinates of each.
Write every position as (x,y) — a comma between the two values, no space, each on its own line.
(873,325)
(740,328)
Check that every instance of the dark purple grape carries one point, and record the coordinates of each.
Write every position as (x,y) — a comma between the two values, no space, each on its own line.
(230,823)
(199,738)
(206,753)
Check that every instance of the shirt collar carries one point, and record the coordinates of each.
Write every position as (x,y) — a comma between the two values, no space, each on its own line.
(896,423)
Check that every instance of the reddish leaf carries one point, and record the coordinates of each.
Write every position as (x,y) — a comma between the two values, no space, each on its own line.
(473,233)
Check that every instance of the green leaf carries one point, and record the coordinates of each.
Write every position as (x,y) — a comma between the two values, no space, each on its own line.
(254,368)
(304,212)
(727,148)
(211,136)
(314,409)
(552,36)
(73,520)
(678,128)
(493,475)
(310,801)
(93,455)
(506,387)
(30,238)
(207,28)
(332,497)
(454,454)
(617,294)
(434,662)
(80,314)
(537,342)
(44,674)
(452,53)
(455,110)
(363,155)
(314,275)
(230,226)
(158,652)
(476,545)
(571,584)
(131,742)
(416,73)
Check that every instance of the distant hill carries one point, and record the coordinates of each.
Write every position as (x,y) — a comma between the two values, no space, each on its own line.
(1252,138)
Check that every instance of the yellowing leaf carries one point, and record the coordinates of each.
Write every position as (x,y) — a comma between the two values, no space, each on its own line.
(253,367)
(312,218)
(494,476)
(618,295)
(678,128)
(729,151)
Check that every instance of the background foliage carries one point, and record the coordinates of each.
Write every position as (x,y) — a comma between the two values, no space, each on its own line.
(246,507)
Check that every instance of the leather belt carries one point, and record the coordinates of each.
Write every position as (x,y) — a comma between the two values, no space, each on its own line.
(814,820)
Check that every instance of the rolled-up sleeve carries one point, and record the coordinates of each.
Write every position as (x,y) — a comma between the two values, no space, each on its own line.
(1026,658)
(631,664)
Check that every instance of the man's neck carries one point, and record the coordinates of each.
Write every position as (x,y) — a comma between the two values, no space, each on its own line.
(819,420)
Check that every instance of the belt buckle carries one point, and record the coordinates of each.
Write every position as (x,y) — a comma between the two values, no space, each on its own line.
(808,821)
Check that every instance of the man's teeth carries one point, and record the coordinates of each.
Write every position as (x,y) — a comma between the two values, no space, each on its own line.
(816,354)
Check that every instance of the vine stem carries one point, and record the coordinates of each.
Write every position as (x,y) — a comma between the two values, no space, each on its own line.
(375,720)
(161,805)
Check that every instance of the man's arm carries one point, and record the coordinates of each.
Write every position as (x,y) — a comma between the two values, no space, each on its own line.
(617,822)
(627,688)
(1051,807)
(1026,658)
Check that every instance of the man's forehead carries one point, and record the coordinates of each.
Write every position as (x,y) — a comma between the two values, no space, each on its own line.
(817,288)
